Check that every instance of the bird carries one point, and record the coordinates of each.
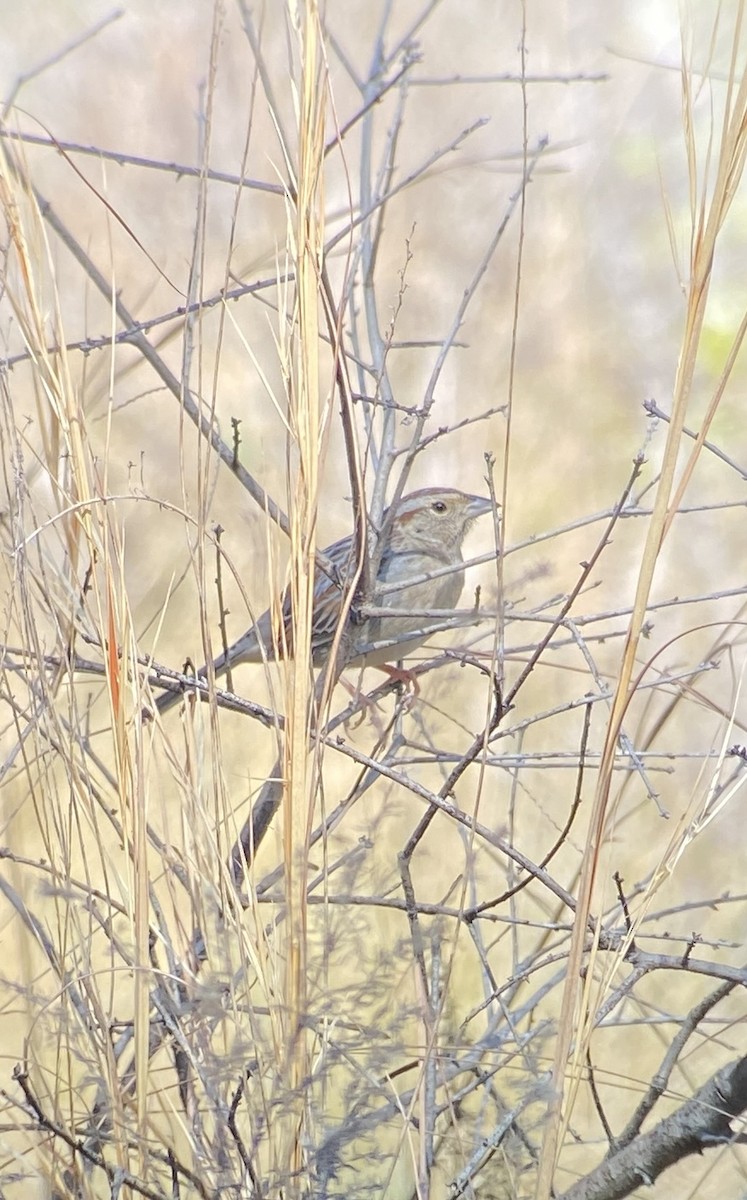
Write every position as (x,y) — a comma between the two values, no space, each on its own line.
(425,535)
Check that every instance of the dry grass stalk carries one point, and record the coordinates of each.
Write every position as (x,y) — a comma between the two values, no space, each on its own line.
(308,419)
(379,1017)
(582,994)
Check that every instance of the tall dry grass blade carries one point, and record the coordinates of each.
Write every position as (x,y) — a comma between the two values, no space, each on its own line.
(91,536)
(708,214)
(307,422)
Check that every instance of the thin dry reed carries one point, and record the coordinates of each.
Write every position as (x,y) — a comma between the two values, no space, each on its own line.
(473,935)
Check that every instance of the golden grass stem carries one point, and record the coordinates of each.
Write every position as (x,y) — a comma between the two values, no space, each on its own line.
(580,993)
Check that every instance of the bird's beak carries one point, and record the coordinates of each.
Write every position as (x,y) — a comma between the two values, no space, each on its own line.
(478,506)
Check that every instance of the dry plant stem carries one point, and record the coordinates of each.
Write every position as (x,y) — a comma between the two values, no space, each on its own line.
(652,407)
(245,1157)
(487,1148)
(430,438)
(373,98)
(87,36)
(133,828)
(471,913)
(222,610)
(356,1127)
(148,1037)
(179,170)
(80,1147)
(136,338)
(455,775)
(502,705)
(134,1078)
(580,622)
(301,772)
(646,961)
(362,584)
(342,899)
(182,170)
(588,568)
(547,1162)
(596,1098)
(661,1079)
(507,77)
(264,809)
(124,336)
(500,632)
(133,328)
(459,316)
(216,999)
(707,218)
(434,801)
(163,997)
(373,201)
(698,1124)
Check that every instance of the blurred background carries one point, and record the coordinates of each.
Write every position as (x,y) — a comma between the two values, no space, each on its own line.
(577,321)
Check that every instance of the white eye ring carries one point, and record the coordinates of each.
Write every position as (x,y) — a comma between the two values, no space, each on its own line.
(439,506)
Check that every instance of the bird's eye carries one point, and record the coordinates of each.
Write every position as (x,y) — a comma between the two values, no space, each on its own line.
(439,506)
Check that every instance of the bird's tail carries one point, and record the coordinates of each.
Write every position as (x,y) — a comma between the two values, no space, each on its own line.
(247,648)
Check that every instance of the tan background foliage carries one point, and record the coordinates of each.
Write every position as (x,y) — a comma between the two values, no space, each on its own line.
(598,331)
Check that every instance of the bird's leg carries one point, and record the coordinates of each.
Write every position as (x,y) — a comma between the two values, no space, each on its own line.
(398,675)
(401,675)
